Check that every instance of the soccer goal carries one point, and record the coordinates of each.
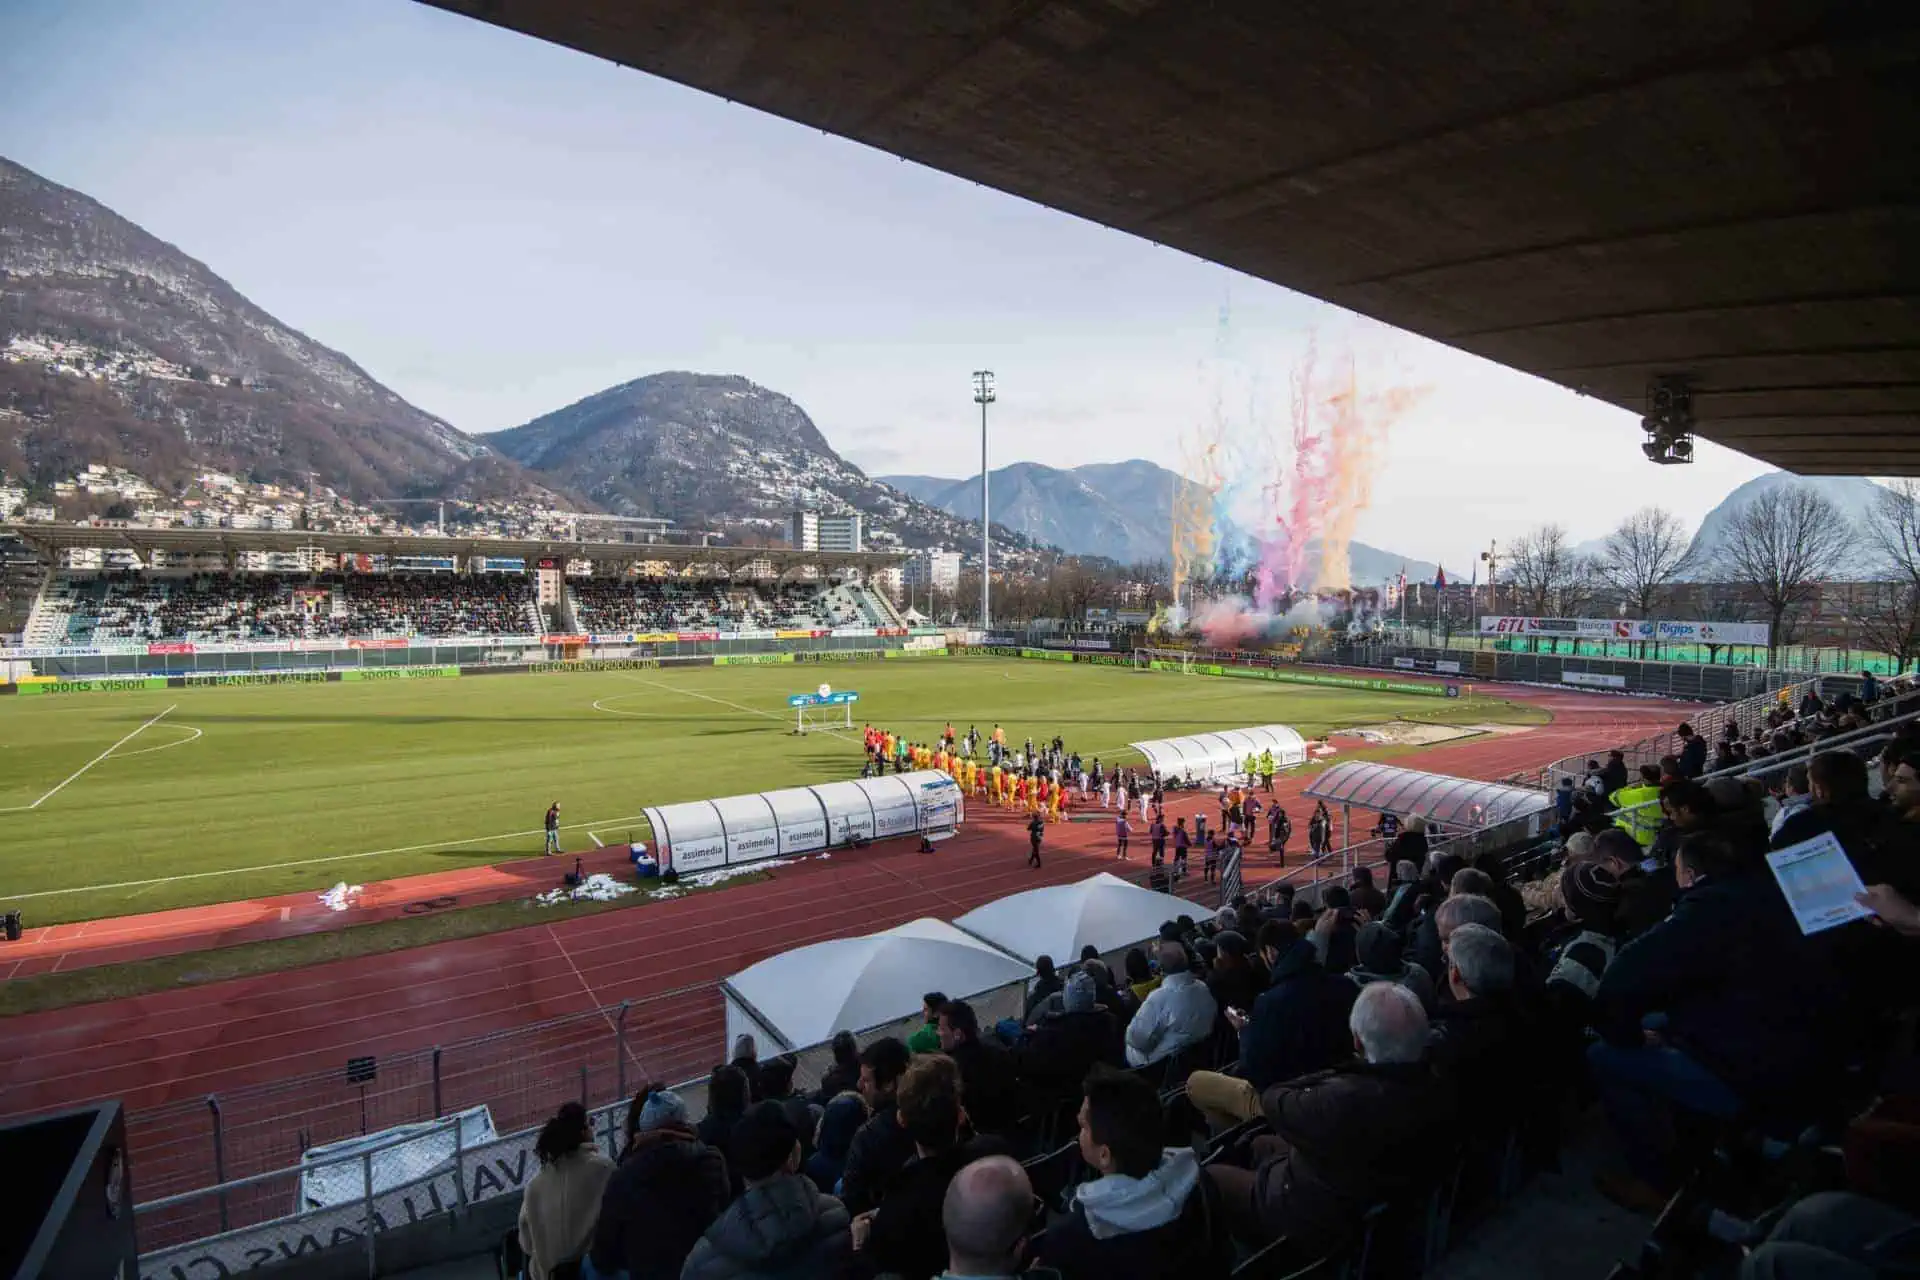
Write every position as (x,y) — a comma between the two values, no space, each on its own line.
(822,710)
(1169,659)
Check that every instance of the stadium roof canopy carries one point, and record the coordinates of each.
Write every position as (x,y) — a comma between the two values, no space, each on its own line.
(1058,920)
(48,538)
(1436,797)
(1596,194)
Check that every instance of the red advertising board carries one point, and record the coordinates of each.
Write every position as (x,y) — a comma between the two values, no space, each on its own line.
(381,642)
(563,640)
(697,635)
(156,650)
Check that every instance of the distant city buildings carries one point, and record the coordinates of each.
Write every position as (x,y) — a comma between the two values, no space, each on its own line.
(932,571)
(812,531)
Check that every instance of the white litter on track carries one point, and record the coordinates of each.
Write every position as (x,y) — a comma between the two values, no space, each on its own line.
(720,875)
(341,897)
(598,887)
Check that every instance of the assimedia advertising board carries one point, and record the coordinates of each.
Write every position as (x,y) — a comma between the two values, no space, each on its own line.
(1637,629)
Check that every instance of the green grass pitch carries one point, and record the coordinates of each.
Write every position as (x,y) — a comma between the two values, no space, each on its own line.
(241,792)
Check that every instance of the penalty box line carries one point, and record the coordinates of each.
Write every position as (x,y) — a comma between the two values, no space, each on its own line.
(315,862)
(753,711)
(75,776)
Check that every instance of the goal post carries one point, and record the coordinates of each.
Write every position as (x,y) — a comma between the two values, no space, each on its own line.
(1163,660)
(824,710)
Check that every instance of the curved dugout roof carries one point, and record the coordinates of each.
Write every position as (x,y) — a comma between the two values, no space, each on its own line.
(701,834)
(1212,755)
(1437,797)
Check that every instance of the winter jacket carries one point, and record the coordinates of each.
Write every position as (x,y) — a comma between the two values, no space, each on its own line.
(1482,1049)
(560,1207)
(878,1152)
(1299,1023)
(838,1125)
(1178,1014)
(1640,823)
(781,1229)
(667,1191)
(989,1084)
(908,1238)
(1354,1136)
(1744,993)
(1064,1048)
(1121,1228)
(1693,757)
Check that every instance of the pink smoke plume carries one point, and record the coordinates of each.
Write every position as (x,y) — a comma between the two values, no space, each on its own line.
(1230,623)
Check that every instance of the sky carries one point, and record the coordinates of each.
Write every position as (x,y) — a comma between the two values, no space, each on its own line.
(495,228)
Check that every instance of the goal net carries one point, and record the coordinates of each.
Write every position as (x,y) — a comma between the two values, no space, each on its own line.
(819,717)
(1163,660)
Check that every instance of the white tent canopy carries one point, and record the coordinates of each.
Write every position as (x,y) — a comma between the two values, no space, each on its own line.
(1216,755)
(801,997)
(701,834)
(1104,911)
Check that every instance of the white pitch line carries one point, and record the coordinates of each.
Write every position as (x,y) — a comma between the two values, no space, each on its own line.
(707,697)
(314,862)
(598,843)
(193,735)
(76,774)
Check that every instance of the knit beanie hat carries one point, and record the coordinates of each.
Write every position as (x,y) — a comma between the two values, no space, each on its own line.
(1591,892)
(1078,995)
(664,1109)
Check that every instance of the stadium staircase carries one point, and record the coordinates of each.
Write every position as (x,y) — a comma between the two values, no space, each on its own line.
(51,615)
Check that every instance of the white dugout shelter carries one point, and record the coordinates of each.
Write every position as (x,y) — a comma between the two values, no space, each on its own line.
(702,834)
(1208,756)
(801,997)
(1103,911)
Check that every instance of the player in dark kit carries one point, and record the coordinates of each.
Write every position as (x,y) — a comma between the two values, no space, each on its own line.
(553,828)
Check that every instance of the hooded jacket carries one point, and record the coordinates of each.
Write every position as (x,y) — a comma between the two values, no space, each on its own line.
(781,1229)
(668,1190)
(909,1238)
(1122,1228)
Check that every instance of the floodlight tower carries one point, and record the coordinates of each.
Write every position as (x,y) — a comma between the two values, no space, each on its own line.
(983,396)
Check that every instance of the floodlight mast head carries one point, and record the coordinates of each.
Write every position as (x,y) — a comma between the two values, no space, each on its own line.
(1668,422)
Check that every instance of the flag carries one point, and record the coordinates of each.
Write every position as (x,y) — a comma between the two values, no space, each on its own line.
(1230,876)
(1440,579)
(1403,579)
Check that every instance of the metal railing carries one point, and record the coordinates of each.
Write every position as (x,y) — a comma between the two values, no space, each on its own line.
(1746,715)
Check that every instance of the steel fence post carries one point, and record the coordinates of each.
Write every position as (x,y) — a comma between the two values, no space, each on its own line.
(219,1155)
(438,1109)
(620,1048)
(366,1215)
(459,1163)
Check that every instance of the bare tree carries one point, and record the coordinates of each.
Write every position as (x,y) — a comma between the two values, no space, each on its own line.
(1544,575)
(1889,615)
(1783,544)
(1642,556)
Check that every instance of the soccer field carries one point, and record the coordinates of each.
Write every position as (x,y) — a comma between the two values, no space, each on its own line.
(124,802)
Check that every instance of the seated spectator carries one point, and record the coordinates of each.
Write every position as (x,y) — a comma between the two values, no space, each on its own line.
(1380,958)
(1431,941)
(989,1218)
(1693,752)
(1176,1015)
(1062,1047)
(776,1085)
(1234,980)
(1589,898)
(1365,896)
(1837,1235)
(1410,845)
(882,1146)
(668,1190)
(746,1060)
(1638,806)
(1405,901)
(992,1086)
(780,1225)
(1723,1006)
(1297,1026)
(1141,979)
(1045,983)
(562,1202)
(1343,1140)
(844,1075)
(926,1037)
(1646,894)
(833,1136)
(1145,1216)
(904,1235)
(1480,1048)
(727,1101)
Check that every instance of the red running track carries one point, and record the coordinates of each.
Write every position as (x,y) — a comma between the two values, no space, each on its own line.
(180,1045)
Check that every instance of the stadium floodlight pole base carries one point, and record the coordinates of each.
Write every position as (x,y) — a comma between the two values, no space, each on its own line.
(1179,659)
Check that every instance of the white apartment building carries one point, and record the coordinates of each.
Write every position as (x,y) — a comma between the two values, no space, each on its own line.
(811,531)
(932,571)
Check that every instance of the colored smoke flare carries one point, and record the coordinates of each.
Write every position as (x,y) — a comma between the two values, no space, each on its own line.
(1271,513)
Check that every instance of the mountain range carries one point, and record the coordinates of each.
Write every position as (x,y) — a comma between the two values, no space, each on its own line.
(1853,497)
(1121,510)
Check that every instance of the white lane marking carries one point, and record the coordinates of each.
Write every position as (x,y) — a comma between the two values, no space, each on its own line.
(75,776)
(598,843)
(707,697)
